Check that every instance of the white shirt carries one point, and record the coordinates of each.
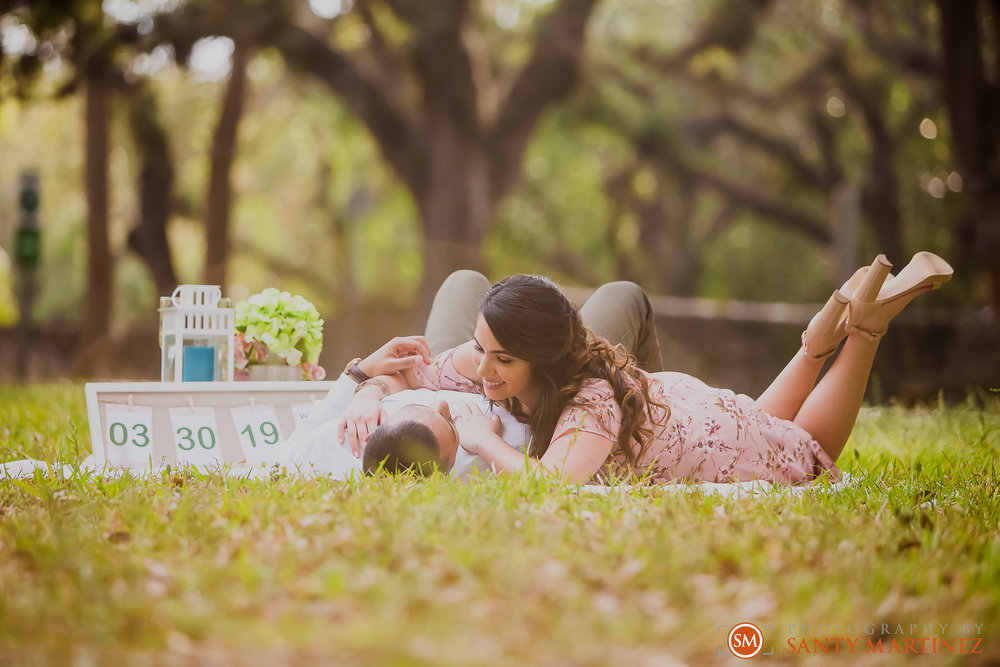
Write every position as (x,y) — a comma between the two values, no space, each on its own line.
(314,447)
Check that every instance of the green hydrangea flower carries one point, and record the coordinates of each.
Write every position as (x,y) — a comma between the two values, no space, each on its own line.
(288,324)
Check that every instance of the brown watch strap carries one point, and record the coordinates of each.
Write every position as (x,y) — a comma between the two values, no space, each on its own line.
(355,373)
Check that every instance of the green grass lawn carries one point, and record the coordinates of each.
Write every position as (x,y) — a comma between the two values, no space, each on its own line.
(204,569)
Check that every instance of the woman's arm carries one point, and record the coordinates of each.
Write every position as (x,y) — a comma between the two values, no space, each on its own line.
(465,363)
(386,368)
(397,355)
(575,456)
(409,373)
(365,411)
(402,363)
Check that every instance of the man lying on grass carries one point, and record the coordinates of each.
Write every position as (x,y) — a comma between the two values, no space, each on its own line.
(416,432)
(418,422)
(422,439)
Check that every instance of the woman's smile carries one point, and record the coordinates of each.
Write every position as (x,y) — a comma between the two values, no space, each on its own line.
(492,386)
(502,374)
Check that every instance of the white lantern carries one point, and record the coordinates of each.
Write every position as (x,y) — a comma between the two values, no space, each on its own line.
(196,335)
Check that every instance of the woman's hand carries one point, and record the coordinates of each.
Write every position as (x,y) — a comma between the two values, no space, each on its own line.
(361,417)
(399,354)
(476,430)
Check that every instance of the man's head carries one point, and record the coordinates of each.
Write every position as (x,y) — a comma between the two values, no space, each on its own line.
(415,438)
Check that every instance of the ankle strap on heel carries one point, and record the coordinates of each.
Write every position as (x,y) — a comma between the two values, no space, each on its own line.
(871,336)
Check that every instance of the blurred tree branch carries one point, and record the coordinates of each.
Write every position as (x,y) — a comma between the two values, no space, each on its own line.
(548,76)
(776,146)
(731,27)
(396,136)
(457,162)
(808,156)
(748,197)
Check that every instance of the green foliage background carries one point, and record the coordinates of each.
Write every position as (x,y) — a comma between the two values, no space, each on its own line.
(305,166)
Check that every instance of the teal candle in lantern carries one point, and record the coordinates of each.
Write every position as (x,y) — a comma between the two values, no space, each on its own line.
(199,364)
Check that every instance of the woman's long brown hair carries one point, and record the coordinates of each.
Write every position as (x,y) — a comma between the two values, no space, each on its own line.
(533,320)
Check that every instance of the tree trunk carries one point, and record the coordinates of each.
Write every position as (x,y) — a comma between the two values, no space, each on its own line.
(985,206)
(149,237)
(974,111)
(881,196)
(456,209)
(881,203)
(92,351)
(456,162)
(218,205)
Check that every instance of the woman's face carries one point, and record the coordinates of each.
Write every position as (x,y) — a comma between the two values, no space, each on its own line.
(504,375)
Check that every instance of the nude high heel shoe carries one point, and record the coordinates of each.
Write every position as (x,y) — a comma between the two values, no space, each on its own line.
(869,313)
(825,331)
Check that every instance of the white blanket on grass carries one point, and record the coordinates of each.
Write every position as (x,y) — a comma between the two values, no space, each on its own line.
(27,468)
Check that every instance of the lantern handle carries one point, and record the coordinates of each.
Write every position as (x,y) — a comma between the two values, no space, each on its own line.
(206,296)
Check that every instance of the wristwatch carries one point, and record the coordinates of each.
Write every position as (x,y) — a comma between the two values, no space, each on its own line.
(378,382)
(355,373)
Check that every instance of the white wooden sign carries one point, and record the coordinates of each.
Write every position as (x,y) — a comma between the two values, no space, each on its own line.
(143,424)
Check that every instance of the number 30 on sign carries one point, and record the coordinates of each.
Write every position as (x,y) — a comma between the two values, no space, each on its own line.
(128,437)
(196,436)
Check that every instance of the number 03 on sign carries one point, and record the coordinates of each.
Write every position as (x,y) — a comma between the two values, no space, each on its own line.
(129,435)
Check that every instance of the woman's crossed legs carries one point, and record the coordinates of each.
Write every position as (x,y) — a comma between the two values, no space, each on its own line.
(829,409)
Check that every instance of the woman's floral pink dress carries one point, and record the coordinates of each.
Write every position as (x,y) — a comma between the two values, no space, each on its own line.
(710,435)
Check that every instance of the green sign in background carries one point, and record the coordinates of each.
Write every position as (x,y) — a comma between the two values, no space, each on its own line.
(27,246)
(29,200)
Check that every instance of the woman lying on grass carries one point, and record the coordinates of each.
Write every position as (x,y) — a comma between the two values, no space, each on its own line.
(593,412)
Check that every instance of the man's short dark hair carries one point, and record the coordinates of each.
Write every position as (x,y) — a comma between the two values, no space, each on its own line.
(403,446)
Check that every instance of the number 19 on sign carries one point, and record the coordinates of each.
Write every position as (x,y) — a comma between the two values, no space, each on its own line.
(258,432)
(267,433)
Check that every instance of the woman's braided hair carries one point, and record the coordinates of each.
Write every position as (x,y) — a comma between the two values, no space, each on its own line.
(533,320)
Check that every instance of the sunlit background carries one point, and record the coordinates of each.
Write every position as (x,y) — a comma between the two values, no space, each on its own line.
(749,151)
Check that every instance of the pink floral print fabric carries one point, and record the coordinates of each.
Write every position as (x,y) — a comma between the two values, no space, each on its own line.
(710,435)
(441,374)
